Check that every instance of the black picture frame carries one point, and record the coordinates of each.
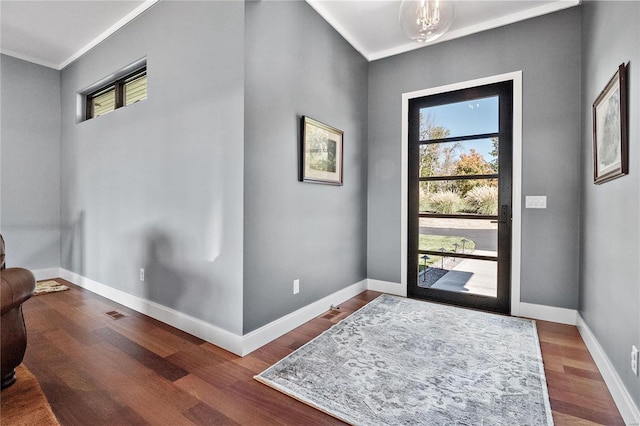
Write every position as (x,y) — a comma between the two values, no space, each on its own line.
(321,152)
(610,129)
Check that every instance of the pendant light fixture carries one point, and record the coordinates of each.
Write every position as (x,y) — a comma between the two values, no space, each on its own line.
(426,20)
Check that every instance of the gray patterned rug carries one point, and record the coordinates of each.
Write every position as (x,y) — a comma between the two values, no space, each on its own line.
(399,361)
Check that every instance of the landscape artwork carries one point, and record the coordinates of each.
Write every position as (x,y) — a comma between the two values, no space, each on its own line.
(610,145)
(321,153)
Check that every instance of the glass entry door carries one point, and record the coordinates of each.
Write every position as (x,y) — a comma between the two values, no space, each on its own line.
(459,224)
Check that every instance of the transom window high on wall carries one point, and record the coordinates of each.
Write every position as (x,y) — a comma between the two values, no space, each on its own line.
(123,88)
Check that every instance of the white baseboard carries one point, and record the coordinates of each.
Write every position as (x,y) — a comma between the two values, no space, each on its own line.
(216,335)
(46,274)
(239,345)
(622,398)
(267,333)
(548,313)
(628,409)
(528,310)
(243,345)
(387,287)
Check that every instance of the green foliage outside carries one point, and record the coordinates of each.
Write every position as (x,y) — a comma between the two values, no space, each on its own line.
(446,202)
(435,242)
(494,153)
(483,199)
(471,164)
(449,159)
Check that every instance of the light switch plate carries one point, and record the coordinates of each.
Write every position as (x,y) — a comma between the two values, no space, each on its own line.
(535,202)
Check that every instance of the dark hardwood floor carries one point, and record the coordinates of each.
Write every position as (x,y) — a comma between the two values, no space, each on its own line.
(133,370)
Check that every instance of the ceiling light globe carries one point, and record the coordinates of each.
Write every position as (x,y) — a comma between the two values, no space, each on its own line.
(426,20)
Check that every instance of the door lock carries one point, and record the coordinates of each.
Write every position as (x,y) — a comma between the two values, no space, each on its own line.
(504,214)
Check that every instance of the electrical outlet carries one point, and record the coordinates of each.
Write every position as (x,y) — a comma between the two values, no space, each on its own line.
(296,286)
(141,274)
(634,360)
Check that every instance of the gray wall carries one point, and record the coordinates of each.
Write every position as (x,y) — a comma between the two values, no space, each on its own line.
(30,163)
(159,184)
(547,50)
(610,263)
(296,64)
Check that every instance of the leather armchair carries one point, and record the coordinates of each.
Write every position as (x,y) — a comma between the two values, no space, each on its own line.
(18,285)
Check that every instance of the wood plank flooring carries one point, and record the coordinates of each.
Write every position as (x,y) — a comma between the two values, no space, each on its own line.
(135,370)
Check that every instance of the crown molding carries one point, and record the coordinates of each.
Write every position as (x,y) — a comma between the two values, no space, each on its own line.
(112,29)
(341,29)
(28,58)
(370,56)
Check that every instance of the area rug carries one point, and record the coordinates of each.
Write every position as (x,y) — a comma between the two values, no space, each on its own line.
(43,287)
(400,361)
(24,403)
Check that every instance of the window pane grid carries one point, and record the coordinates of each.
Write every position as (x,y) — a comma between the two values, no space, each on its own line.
(121,92)
(459,138)
(104,103)
(477,115)
(454,177)
(135,90)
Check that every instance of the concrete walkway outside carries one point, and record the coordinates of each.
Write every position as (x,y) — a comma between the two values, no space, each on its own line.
(471,276)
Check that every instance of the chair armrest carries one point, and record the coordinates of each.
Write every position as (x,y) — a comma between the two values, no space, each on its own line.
(18,285)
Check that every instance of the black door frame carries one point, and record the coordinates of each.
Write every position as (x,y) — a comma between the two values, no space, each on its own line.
(505,90)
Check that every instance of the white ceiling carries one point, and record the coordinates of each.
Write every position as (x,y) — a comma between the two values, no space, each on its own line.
(55,33)
(371,26)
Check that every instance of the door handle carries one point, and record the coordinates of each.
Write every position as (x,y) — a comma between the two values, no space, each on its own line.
(504,214)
